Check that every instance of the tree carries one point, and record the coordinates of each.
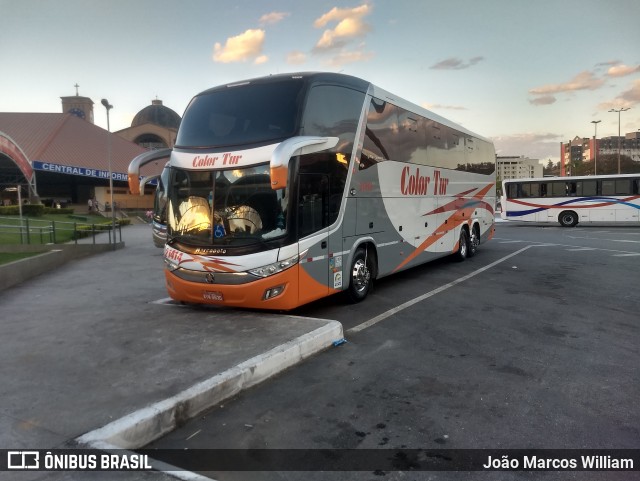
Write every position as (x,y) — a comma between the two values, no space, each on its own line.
(608,164)
(551,169)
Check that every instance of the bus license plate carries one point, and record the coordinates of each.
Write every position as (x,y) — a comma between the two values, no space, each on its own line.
(212,296)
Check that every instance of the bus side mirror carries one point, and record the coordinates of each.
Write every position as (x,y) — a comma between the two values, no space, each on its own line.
(146,180)
(279,164)
(134,186)
(133,173)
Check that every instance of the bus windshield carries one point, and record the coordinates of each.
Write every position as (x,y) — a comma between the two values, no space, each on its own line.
(240,115)
(234,207)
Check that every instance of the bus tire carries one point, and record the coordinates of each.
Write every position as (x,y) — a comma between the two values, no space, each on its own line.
(360,276)
(463,246)
(474,241)
(568,218)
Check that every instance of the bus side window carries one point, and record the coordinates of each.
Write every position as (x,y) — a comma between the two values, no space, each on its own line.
(543,190)
(558,189)
(512,191)
(572,188)
(313,200)
(635,186)
(608,187)
(623,187)
(588,187)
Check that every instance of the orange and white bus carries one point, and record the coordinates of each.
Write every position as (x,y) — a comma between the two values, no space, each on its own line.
(285,189)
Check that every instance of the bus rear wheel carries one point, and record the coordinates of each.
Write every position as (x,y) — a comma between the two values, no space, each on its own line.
(568,218)
(463,246)
(360,276)
(474,241)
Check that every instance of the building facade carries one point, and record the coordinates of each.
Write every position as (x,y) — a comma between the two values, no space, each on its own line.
(518,168)
(583,149)
(63,158)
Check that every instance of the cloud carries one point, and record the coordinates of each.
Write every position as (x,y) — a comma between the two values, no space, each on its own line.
(454,63)
(626,99)
(273,17)
(583,81)
(540,146)
(609,63)
(622,70)
(337,14)
(633,94)
(350,26)
(243,47)
(296,58)
(345,57)
(544,100)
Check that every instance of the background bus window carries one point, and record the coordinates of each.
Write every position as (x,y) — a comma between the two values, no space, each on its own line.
(623,187)
(608,187)
(530,190)
(588,187)
(512,191)
(544,189)
(558,189)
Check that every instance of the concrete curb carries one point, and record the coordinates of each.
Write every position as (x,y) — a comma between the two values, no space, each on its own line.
(16,272)
(148,424)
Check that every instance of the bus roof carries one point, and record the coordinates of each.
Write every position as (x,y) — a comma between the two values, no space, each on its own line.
(353,83)
(579,177)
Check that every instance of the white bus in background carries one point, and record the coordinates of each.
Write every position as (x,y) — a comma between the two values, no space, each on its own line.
(570,200)
(286,189)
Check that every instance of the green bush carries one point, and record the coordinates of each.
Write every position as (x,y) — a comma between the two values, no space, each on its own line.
(33,210)
(28,210)
(9,210)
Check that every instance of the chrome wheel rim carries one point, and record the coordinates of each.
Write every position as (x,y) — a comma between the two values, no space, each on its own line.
(360,275)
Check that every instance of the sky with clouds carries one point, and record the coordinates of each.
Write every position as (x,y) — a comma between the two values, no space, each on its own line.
(526,74)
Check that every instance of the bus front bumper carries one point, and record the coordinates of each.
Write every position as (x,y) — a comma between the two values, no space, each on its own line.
(276,292)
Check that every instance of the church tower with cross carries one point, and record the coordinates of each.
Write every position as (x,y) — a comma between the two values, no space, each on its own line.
(80,106)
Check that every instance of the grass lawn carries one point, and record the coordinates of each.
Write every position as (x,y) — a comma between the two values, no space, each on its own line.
(40,228)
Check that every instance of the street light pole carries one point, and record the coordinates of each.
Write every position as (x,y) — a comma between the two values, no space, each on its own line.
(622,109)
(108,107)
(595,146)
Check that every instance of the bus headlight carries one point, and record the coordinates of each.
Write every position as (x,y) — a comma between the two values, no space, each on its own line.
(271,269)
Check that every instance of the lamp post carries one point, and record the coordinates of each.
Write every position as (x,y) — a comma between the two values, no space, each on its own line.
(108,107)
(595,146)
(622,109)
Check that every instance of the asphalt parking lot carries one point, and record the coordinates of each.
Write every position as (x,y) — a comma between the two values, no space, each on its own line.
(532,343)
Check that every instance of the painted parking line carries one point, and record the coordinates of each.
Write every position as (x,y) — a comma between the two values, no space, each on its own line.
(381,317)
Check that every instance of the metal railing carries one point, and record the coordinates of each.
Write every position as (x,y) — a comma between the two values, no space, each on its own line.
(32,231)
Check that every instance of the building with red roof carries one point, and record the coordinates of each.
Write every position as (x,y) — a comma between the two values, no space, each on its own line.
(64,157)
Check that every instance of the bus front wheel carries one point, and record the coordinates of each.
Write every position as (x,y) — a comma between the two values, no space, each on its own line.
(568,218)
(360,276)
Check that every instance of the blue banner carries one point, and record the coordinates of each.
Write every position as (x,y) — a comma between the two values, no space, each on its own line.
(81,171)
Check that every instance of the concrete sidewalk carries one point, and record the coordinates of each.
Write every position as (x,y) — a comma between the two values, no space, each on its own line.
(90,353)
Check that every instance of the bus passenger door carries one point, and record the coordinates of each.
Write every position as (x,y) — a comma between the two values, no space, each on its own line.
(313,208)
